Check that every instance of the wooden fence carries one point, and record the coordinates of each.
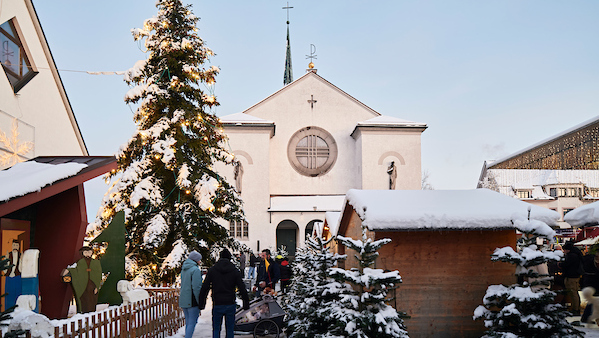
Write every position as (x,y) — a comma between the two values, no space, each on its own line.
(158,316)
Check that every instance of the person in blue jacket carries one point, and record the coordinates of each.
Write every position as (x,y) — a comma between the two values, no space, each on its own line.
(189,298)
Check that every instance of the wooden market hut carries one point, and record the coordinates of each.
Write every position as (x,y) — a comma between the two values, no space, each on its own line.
(42,204)
(442,243)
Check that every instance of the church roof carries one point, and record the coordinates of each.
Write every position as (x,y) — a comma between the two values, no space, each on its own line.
(243,118)
(389,121)
(312,74)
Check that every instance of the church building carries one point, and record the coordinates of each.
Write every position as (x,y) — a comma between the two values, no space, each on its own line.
(301,149)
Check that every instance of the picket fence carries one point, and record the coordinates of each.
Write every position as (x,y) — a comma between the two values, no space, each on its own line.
(158,316)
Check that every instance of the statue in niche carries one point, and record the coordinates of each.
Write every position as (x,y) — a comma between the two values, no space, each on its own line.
(13,275)
(85,278)
(392,172)
(238,172)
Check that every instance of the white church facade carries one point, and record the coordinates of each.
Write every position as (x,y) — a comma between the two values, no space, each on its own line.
(36,118)
(302,148)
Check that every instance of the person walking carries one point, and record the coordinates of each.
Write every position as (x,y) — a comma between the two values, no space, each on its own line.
(572,270)
(222,279)
(253,261)
(191,283)
(242,263)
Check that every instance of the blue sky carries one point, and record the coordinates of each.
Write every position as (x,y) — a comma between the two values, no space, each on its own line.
(488,77)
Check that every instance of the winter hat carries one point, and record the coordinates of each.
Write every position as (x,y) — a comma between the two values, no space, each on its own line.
(195,256)
(568,246)
(225,254)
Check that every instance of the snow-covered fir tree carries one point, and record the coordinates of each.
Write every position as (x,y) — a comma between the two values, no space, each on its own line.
(365,312)
(166,182)
(313,292)
(526,309)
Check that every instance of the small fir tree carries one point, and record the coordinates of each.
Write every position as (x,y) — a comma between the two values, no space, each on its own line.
(526,309)
(365,313)
(166,183)
(313,292)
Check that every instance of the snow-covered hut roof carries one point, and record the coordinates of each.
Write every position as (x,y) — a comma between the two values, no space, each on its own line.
(306,203)
(441,209)
(588,241)
(332,219)
(26,177)
(584,215)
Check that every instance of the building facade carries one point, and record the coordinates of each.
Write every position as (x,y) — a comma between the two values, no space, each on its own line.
(36,118)
(559,173)
(298,152)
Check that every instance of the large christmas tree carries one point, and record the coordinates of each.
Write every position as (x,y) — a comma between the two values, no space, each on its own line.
(527,308)
(166,183)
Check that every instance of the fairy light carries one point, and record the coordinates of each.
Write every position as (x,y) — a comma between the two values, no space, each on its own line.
(15,149)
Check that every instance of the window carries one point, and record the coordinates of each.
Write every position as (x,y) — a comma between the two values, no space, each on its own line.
(553,192)
(563,192)
(594,192)
(239,229)
(312,151)
(13,57)
(524,194)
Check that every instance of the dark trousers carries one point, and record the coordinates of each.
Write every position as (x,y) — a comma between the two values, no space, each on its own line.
(218,312)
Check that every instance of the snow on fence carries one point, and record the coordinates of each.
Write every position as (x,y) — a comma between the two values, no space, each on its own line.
(158,316)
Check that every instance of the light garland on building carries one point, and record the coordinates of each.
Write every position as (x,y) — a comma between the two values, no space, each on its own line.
(14,148)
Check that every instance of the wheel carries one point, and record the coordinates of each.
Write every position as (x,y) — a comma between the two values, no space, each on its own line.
(266,328)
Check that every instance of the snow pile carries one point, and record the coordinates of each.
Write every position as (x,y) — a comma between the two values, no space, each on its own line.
(27,177)
(390,121)
(441,209)
(39,325)
(584,215)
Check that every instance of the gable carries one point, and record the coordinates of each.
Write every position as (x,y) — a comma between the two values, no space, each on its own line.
(41,111)
(293,101)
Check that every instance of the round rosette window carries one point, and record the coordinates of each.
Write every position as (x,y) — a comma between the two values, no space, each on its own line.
(312,151)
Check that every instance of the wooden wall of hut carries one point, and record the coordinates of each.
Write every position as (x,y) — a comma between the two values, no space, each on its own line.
(445,276)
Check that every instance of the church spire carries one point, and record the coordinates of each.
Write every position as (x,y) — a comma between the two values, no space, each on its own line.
(288,75)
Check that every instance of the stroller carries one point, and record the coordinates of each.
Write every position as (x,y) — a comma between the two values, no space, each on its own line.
(264,318)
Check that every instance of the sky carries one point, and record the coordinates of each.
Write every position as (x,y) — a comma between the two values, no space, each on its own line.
(489,78)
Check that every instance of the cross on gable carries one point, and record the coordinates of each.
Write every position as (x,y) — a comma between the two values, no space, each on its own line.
(312,101)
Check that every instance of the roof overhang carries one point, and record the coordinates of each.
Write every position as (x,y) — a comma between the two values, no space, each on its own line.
(360,128)
(96,166)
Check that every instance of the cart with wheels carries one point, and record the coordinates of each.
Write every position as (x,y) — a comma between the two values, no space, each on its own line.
(264,318)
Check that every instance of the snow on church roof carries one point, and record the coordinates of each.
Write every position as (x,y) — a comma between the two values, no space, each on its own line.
(27,177)
(442,209)
(243,118)
(390,121)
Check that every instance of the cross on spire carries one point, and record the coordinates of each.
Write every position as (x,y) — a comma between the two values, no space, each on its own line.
(287,8)
(311,101)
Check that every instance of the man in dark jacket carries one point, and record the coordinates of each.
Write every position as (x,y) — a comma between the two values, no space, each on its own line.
(223,278)
(268,272)
(571,268)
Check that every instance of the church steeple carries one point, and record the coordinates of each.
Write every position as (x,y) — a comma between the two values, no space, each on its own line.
(288,75)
